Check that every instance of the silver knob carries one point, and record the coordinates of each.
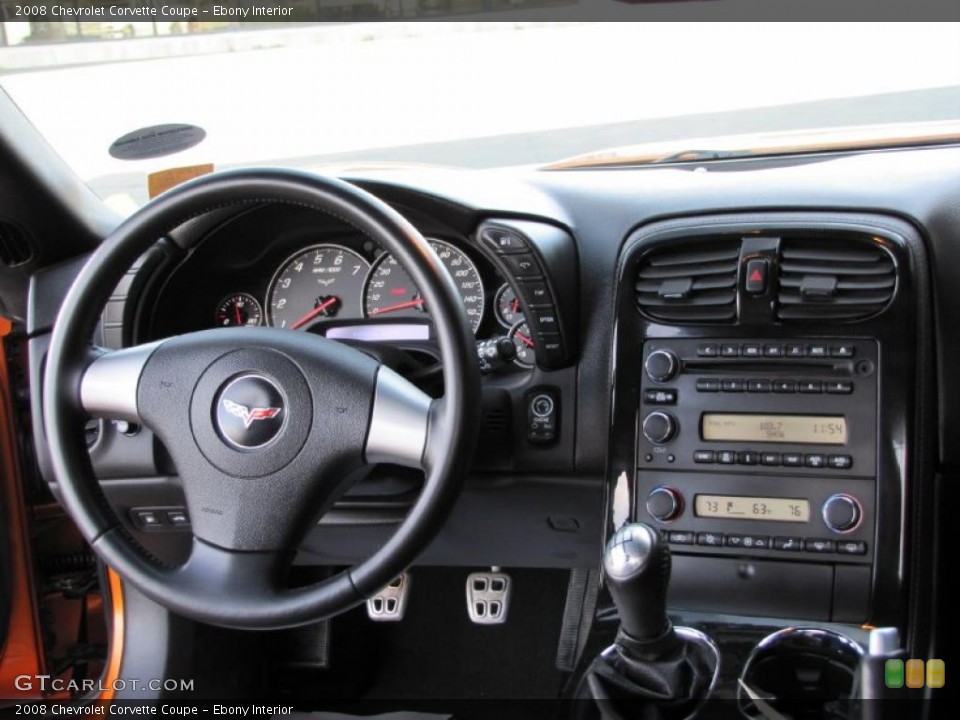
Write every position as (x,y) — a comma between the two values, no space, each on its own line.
(659,427)
(661,365)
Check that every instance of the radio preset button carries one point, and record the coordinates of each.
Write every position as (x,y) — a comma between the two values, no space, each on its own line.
(810,386)
(840,462)
(710,539)
(838,387)
(661,365)
(842,351)
(733,385)
(770,458)
(758,386)
(841,512)
(748,457)
(815,460)
(751,351)
(703,456)
(707,351)
(726,457)
(818,351)
(773,350)
(819,546)
(664,503)
(796,351)
(788,544)
(784,386)
(659,427)
(792,459)
(708,386)
(729,350)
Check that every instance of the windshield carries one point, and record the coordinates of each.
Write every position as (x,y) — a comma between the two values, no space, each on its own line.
(475,95)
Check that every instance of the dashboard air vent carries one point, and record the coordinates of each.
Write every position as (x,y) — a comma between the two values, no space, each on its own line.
(690,282)
(14,246)
(833,279)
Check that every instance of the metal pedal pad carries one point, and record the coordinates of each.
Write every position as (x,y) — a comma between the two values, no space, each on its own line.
(488,597)
(390,604)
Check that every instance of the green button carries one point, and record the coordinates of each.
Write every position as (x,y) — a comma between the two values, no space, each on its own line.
(893,673)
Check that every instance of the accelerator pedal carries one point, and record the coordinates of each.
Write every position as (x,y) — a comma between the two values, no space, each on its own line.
(488,597)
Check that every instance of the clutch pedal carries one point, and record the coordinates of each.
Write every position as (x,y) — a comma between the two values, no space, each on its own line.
(488,597)
(390,604)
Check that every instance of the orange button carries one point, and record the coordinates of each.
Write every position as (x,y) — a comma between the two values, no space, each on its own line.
(915,673)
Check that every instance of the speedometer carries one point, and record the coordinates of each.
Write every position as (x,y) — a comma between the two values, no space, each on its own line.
(323,281)
(391,292)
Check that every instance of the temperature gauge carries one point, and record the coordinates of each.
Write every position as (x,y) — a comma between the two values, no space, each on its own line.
(523,341)
(238,310)
(507,305)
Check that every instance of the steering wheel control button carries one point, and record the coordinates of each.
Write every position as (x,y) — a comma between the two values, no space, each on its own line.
(659,427)
(661,366)
(542,416)
(148,518)
(664,504)
(756,280)
(250,412)
(841,512)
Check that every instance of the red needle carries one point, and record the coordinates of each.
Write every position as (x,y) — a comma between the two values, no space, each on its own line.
(236,311)
(316,311)
(398,306)
(524,339)
(515,305)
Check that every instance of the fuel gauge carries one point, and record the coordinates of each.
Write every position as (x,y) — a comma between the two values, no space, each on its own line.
(238,310)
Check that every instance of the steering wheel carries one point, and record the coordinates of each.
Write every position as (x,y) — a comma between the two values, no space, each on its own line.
(266,427)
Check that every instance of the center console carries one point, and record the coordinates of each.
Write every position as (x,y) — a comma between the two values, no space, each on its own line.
(765,380)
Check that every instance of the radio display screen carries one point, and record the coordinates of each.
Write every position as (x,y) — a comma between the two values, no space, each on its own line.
(802,429)
(736,507)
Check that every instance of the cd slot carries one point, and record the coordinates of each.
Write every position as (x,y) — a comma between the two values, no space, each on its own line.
(780,367)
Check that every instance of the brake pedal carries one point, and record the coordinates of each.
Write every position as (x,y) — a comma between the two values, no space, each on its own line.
(488,597)
(390,604)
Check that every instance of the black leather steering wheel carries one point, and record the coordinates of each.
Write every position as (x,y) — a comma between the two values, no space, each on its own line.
(266,427)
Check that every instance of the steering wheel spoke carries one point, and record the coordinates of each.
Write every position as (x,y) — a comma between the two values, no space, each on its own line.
(399,422)
(108,385)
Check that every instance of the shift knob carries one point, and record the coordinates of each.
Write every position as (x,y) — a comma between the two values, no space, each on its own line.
(636,564)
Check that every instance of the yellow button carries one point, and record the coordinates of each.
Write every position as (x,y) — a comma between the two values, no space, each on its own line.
(936,670)
(915,673)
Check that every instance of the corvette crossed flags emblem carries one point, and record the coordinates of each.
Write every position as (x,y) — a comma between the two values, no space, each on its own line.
(249,415)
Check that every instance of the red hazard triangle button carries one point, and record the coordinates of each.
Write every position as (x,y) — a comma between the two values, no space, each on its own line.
(756,277)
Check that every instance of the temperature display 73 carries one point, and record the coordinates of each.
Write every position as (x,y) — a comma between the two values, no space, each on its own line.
(737,507)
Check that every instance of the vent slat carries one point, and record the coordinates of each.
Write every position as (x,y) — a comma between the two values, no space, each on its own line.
(674,271)
(842,278)
(691,281)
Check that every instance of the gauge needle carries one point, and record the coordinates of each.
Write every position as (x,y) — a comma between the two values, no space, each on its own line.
(524,339)
(399,306)
(515,305)
(236,311)
(316,311)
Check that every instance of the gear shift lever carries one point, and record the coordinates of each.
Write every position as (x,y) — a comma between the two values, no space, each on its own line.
(652,670)
(637,566)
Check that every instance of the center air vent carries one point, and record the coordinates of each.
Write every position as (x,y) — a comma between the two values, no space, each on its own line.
(833,279)
(690,282)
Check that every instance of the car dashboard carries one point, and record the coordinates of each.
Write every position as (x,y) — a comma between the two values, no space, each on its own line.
(750,355)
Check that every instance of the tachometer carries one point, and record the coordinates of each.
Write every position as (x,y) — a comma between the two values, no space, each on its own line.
(391,292)
(324,281)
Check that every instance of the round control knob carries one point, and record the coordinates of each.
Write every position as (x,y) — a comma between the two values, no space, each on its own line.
(661,365)
(664,503)
(659,427)
(841,512)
